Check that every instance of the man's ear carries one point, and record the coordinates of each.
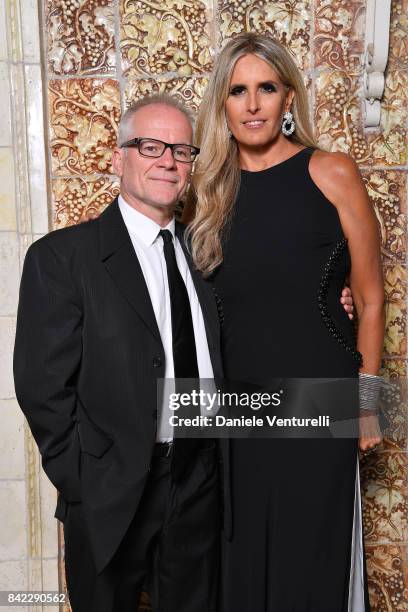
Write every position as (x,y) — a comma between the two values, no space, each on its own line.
(117,161)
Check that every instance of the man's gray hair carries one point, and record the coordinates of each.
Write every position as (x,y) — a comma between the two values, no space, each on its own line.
(126,128)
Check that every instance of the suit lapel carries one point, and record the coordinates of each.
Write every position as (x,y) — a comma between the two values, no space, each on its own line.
(204,292)
(119,257)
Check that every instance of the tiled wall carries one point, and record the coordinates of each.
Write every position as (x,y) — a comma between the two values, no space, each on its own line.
(97,56)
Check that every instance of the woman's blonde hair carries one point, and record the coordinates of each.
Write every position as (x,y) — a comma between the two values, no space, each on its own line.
(216,178)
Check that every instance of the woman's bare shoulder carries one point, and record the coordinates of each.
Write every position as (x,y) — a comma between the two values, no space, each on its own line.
(335,173)
(334,164)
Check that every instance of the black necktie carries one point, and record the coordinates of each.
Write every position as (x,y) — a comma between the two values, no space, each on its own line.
(184,350)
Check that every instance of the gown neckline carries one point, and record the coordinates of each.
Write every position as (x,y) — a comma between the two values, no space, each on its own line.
(258,172)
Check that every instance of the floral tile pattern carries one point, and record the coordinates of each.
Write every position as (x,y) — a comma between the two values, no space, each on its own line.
(61,567)
(385,492)
(338,118)
(394,368)
(389,146)
(394,404)
(84,115)
(188,90)
(76,200)
(395,278)
(398,51)
(387,192)
(80,36)
(336,113)
(170,36)
(387,578)
(287,21)
(339,34)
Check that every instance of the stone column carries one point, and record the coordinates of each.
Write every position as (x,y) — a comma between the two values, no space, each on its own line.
(28,533)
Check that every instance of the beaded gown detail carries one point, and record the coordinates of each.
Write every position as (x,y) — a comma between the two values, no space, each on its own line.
(297,536)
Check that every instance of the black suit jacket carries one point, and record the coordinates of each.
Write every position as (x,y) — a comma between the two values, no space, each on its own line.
(87,357)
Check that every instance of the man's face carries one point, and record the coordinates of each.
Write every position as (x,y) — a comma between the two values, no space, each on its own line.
(154,182)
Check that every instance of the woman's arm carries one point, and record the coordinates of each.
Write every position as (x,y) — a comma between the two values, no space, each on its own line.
(337,175)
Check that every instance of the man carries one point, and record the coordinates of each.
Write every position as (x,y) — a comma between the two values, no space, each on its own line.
(102,316)
(107,308)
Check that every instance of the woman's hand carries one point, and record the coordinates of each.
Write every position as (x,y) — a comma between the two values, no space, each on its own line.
(370,432)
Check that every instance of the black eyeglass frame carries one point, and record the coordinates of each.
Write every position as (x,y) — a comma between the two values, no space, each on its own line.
(136,142)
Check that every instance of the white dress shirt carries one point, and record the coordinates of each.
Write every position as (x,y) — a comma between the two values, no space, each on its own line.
(148,247)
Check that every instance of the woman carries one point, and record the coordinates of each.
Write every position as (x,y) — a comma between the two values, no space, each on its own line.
(278,226)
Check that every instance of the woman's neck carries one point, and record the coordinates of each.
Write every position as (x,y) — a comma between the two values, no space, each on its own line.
(256,159)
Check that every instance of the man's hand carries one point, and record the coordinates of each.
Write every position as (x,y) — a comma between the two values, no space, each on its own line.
(347,301)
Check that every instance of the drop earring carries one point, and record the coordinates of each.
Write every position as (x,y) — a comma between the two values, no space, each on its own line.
(288,124)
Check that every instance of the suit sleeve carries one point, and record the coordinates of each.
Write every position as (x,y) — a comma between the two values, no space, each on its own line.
(47,357)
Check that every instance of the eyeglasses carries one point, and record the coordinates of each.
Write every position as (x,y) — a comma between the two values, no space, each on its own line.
(149,147)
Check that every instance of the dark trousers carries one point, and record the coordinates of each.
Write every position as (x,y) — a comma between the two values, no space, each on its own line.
(171,547)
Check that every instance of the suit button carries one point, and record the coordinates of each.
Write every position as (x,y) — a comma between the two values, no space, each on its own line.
(157,361)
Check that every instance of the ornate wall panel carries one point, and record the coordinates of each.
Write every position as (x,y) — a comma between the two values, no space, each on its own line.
(171,36)
(189,89)
(337,36)
(80,36)
(288,21)
(398,55)
(339,121)
(387,189)
(84,115)
(100,55)
(80,199)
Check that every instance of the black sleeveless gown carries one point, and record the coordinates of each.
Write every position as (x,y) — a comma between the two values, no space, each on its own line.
(297,540)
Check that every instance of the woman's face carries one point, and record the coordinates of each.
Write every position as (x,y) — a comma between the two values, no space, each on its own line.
(256,103)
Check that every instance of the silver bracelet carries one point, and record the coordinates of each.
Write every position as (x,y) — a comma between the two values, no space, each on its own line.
(369,392)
